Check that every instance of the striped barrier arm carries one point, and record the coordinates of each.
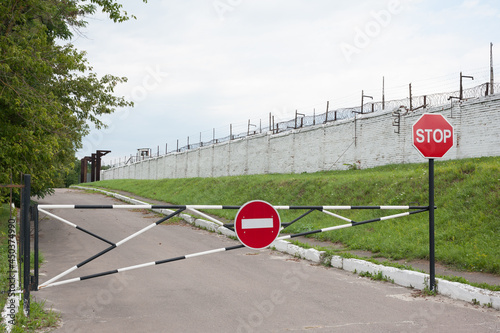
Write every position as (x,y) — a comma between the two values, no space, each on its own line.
(113,245)
(52,283)
(197,207)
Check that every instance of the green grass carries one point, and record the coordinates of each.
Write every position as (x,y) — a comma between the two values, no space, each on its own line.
(467,195)
(4,260)
(379,276)
(39,318)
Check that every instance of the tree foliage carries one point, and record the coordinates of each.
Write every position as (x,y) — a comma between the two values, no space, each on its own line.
(49,94)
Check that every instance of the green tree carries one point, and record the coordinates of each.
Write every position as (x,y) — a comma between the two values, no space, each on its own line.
(49,95)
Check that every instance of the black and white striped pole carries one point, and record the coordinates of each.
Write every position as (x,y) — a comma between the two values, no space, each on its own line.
(54,281)
(433,137)
(260,220)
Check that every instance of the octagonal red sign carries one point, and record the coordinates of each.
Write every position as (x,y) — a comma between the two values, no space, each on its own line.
(432,135)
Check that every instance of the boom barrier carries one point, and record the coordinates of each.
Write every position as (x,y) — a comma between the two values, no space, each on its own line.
(175,210)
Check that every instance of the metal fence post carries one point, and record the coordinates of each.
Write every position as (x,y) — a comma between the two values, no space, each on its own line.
(432,282)
(34,285)
(25,221)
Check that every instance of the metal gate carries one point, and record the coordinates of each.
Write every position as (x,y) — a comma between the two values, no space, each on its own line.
(175,210)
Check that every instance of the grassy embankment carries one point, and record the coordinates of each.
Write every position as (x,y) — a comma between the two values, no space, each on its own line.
(467,196)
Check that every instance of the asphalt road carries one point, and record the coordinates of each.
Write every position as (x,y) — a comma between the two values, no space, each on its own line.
(235,291)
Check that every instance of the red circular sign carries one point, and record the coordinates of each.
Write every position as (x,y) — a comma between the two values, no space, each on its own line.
(432,135)
(257,224)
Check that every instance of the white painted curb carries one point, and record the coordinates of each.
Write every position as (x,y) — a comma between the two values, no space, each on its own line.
(405,278)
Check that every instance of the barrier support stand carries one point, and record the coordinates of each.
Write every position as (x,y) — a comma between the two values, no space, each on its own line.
(432,282)
(34,279)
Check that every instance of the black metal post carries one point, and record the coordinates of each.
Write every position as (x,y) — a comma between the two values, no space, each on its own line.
(492,90)
(461,85)
(411,97)
(92,167)
(326,113)
(363,99)
(83,170)
(432,282)
(25,221)
(35,246)
(98,155)
(97,171)
(383,93)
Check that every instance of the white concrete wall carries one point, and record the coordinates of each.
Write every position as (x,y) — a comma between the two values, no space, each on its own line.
(367,142)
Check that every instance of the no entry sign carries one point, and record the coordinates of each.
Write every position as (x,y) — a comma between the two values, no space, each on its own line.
(257,224)
(432,135)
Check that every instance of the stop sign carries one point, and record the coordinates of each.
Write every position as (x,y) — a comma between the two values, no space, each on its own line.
(432,135)
(257,224)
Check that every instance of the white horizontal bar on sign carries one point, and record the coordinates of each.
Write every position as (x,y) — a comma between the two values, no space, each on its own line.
(256,223)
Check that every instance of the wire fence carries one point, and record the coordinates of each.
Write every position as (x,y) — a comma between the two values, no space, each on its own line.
(300,120)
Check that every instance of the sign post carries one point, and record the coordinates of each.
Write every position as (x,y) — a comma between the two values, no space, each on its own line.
(257,224)
(433,137)
(432,259)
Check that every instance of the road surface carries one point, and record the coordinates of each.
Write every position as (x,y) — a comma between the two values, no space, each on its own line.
(235,291)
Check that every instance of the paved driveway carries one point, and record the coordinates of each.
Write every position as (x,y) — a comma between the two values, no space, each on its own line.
(236,291)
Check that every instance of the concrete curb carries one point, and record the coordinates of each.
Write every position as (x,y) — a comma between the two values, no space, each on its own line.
(405,278)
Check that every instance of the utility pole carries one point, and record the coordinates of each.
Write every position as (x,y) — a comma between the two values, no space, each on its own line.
(491,70)
(411,103)
(383,93)
(363,99)
(461,85)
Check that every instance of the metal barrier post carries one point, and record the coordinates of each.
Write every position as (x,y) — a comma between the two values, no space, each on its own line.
(25,222)
(34,284)
(432,282)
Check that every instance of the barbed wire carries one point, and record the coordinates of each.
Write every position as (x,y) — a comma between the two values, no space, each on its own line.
(303,120)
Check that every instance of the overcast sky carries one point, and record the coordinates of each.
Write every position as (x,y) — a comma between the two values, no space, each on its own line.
(196,65)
